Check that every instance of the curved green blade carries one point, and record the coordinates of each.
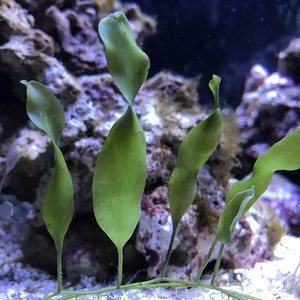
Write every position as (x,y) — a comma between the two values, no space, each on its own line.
(119,179)
(284,155)
(44,110)
(194,151)
(126,62)
(232,213)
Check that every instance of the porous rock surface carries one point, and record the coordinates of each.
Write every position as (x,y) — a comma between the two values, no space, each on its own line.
(58,45)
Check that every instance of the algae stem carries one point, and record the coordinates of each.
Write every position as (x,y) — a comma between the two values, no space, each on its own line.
(120,266)
(59,271)
(204,264)
(163,273)
(154,283)
(217,265)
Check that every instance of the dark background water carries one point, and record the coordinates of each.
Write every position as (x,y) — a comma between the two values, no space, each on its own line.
(225,37)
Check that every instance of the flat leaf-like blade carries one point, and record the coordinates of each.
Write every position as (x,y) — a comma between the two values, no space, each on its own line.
(126,62)
(119,179)
(283,155)
(44,110)
(194,151)
(214,85)
(232,213)
(58,206)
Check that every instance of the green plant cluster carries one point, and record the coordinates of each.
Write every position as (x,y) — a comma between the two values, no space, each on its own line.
(120,171)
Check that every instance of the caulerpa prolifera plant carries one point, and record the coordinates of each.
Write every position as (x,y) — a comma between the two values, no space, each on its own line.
(121,168)
(45,112)
(194,151)
(120,171)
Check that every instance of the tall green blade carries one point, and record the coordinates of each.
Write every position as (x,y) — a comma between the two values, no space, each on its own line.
(120,171)
(45,112)
(126,62)
(284,155)
(194,151)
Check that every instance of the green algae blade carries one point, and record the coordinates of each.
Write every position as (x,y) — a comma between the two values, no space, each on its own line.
(194,151)
(283,155)
(214,85)
(119,179)
(126,62)
(58,204)
(45,112)
(232,213)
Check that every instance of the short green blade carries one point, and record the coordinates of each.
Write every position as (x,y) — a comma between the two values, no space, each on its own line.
(126,62)
(58,206)
(214,85)
(232,213)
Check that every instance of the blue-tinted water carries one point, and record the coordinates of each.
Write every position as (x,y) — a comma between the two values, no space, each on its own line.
(221,36)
